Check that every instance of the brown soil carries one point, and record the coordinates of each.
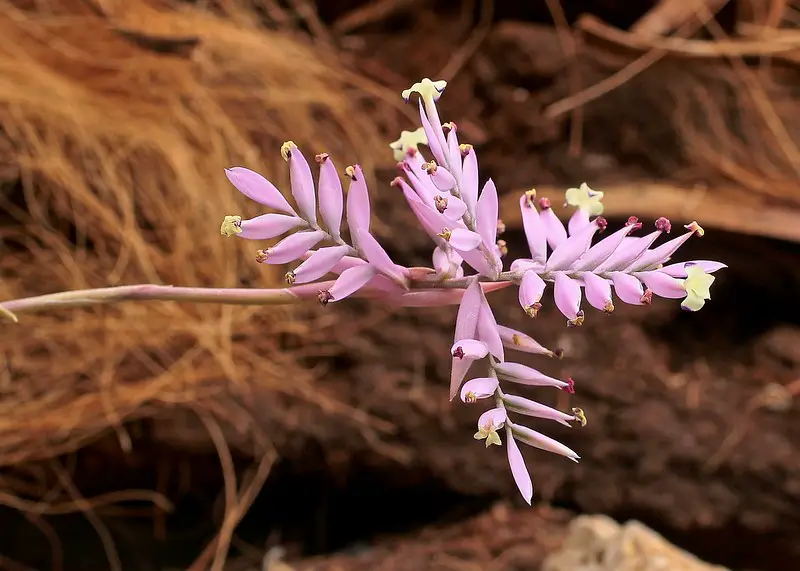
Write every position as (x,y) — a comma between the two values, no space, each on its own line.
(692,422)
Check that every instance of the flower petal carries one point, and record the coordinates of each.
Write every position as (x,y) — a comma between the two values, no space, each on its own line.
(302,184)
(268,226)
(578,221)
(554,229)
(661,284)
(628,252)
(678,270)
(518,469)
(534,228)
(480,388)
(331,198)
(318,264)
(430,124)
(486,213)
(463,239)
(574,247)
(567,296)
(469,348)
(445,262)
(524,375)
(542,442)
(458,370)
(598,292)
(358,208)
(350,281)
(469,188)
(466,328)
(476,259)
(661,254)
(441,178)
(531,289)
(513,339)
(628,288)
(601,251)
(293,247)
(257,188)
(487,330)
(378,257)
(455,208)
(493,418)
(347,262)
(468,311)
(528,407)
(431,221)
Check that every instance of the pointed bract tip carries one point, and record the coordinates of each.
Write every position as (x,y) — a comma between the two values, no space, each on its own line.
(351,172)
(664,225)
(324,297)
(696,228)
(321,158)
(231,226)
(286,150)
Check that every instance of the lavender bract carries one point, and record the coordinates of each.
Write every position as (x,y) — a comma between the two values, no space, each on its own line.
(461,218)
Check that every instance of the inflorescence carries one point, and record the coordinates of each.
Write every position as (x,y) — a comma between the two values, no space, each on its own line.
(461,218)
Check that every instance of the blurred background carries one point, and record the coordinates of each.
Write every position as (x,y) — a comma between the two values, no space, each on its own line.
(164,436)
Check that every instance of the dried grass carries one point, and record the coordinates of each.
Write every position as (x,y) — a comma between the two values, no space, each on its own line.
(117,118)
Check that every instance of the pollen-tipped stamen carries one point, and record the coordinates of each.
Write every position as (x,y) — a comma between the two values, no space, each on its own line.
(231,226)
(578,321)
(533,309)
(286,150)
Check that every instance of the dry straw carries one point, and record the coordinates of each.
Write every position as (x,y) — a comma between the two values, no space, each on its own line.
(116,120)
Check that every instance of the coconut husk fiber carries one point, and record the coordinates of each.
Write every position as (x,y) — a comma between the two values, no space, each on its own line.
(116,121)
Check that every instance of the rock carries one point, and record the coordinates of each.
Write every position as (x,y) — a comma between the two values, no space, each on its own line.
(598,543)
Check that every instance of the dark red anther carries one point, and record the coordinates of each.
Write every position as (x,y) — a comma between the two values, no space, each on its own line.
(633,221)
(324,297)
(571,386)
(664,225)
(601,222)
(647,297)
(544,203)
(458,353)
